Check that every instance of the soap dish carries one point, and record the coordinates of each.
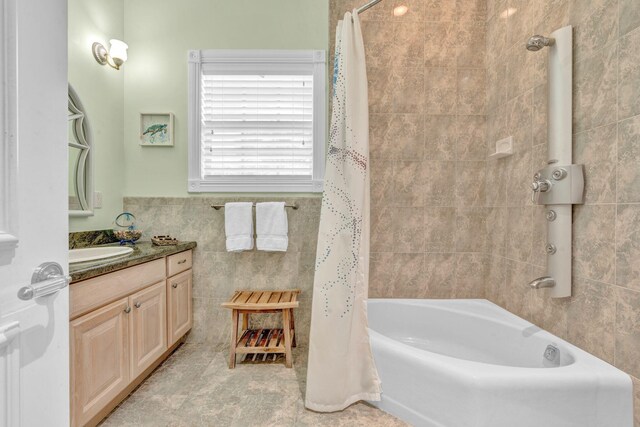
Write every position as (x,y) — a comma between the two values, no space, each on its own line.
(504,148)
(164,240)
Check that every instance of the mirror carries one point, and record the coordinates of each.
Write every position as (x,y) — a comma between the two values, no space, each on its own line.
(79,140)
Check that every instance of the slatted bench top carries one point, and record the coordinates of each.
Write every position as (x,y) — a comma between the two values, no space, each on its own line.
(263,300)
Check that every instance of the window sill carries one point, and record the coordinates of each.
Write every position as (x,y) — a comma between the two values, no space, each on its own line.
(256,185)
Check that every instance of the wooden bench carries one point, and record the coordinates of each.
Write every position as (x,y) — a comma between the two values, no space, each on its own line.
(262,340)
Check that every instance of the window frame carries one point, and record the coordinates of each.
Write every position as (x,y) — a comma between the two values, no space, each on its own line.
(245,59)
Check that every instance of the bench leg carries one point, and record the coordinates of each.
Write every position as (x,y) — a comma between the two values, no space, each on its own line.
(245,321)
(293,329)
(286,330)
(234,338)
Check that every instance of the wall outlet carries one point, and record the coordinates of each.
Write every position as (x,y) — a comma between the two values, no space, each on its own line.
(97,200)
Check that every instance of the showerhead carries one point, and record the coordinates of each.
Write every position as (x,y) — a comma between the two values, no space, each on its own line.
(537,42)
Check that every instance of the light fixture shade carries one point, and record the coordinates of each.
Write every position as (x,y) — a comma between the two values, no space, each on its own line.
(118,50)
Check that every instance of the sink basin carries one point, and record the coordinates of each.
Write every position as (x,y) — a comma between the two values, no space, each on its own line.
(95,254)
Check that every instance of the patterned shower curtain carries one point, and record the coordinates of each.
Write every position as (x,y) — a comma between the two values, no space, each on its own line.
(341,369)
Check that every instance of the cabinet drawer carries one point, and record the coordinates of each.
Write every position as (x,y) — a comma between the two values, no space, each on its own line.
(93,293)
(178,263)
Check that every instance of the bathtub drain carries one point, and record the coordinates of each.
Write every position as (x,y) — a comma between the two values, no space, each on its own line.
(551,353)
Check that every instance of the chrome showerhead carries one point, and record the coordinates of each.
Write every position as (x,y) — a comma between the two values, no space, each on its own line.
(537,42)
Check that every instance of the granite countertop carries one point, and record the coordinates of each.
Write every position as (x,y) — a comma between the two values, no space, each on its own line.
(142,252)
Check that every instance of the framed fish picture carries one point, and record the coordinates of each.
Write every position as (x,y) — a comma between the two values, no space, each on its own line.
(156,129)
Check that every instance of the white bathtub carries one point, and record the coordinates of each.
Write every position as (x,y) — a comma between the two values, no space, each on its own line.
(470,363)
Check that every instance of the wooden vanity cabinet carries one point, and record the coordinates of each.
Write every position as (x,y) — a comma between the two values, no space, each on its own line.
(180,316)
(118,338)
(148,326)
(100,359)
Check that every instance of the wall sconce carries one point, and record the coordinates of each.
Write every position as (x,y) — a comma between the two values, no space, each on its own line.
(115,57)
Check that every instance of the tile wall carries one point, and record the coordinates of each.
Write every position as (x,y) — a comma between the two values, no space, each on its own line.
(426,72)
(603,315)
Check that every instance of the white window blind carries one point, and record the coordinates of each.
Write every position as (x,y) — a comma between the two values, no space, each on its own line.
(259,125)
(257,120)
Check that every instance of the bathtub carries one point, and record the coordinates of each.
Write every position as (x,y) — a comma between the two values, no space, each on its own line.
(470,363)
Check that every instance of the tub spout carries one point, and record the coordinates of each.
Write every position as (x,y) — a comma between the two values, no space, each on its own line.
(543,282)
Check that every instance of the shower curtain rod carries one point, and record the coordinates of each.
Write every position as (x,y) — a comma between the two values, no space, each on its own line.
(367,6)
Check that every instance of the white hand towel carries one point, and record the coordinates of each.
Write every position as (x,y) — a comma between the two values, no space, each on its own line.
(272,227)
(238,226)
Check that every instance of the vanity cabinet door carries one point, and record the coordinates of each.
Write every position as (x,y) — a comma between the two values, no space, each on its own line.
(148,327)
(179,304)
(99,359)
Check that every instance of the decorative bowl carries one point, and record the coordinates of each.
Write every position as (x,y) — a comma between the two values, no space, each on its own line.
(127,236)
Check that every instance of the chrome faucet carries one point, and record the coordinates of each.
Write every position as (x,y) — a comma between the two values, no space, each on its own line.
(543,282)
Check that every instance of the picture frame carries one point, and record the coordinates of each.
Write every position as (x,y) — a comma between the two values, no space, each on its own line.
(156,129)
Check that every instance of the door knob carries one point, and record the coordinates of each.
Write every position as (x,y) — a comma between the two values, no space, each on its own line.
(175,285)
(138,304)
(47,279)
(127,310)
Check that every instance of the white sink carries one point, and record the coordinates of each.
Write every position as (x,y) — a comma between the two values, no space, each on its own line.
(94,254)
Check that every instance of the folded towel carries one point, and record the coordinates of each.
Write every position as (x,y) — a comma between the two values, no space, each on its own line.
(238,226)
(272,227)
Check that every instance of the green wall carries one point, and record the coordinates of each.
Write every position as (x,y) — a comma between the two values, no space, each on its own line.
(154,79)
(159,34)
(100,89)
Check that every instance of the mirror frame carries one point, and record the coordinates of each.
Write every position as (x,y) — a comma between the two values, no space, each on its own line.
(83,137)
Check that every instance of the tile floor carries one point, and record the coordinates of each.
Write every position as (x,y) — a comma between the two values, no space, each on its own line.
(194,387)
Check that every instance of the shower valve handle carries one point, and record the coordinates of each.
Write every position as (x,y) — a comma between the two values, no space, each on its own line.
(539,186)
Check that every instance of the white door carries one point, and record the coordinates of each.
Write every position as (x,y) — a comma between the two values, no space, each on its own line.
(34,342)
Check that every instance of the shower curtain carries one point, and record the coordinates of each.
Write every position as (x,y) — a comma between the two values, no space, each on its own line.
(341,369)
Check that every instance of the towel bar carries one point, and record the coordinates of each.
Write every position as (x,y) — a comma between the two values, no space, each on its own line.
(293,206)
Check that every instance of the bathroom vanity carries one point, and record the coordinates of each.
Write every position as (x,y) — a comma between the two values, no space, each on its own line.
(126,316)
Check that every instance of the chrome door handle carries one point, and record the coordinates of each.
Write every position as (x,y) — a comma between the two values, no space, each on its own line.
(47,279)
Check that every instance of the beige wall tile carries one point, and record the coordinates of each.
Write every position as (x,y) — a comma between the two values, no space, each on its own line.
(439,275)
(597,30)
(471,91)
(628,246)
(629,75)
(627,332)
(519,233)
(409,39)
(440,90)
(594,86)
(471,273)
(520,22)
(596,149)
(594,242)
(472,133)
(471,44)
(471,225)
(441,136)
(440,183)
(440,44)
(408,226)
(628,183)
(470,183)
(439,229)
(409,184)
(440,10)
(471,10)
(592,313)
(629,17)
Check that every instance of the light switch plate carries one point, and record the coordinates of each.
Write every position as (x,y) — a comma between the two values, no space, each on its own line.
(97,200)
